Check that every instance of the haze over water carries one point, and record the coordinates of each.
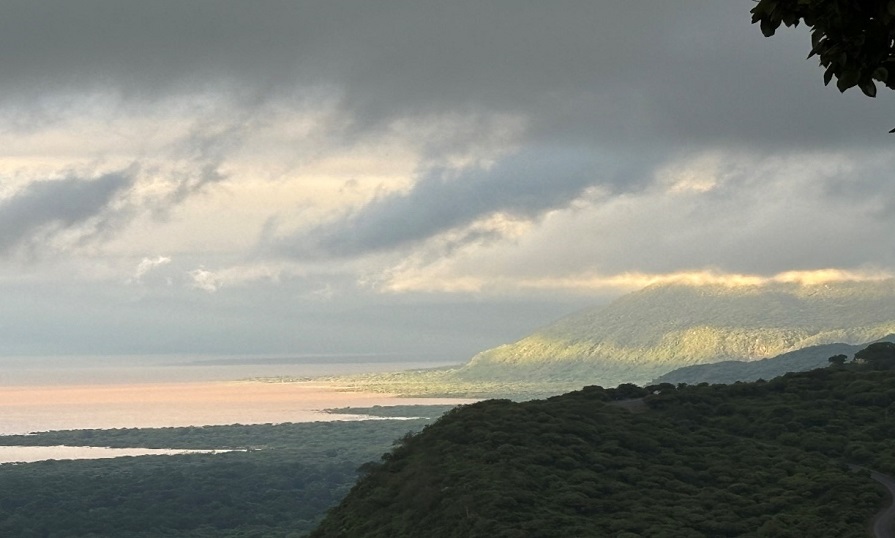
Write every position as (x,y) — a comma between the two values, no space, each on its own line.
(116,369)
(41,394)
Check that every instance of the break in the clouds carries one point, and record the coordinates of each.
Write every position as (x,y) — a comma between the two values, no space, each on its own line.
(339,164)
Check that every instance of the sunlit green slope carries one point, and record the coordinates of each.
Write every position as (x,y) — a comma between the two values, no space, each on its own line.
(663,327)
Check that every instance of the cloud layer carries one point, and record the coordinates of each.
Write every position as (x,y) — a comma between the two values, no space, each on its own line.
(43,208)
(306,160)
(520,187)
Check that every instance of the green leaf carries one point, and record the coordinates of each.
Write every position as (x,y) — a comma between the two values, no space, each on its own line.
(847,80)
(828,76)
(868,87)
(768,28)
(891,7)
(790,19)
(816,38)
(881,74)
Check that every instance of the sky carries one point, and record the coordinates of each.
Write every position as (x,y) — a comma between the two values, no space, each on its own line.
(414,178)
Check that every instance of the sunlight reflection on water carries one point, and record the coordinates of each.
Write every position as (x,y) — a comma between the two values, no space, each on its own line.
(42,395)
(28,454)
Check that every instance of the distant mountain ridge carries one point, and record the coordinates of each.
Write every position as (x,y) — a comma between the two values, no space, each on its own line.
(799,360)
(645,334)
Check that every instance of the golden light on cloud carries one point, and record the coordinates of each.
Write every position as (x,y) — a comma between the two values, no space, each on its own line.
(410,281)
(708,277)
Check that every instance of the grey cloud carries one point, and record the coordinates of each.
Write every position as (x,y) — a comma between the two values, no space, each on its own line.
(523,186)
(57,204)
(144,47)
(104,319)
(607,91)
(751,223)
(591,78)
(651,73)
(419,46)
(206,148)
(208,173)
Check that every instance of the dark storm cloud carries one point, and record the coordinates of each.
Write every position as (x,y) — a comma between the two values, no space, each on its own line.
(57,204)
(146,47)
(649,73)
(523,186)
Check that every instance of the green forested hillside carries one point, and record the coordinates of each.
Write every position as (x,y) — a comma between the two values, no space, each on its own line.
(650,332)
(748,459)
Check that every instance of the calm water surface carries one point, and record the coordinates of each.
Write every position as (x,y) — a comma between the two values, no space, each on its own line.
(44,394)
(29,454)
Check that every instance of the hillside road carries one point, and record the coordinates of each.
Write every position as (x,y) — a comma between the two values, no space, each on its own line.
(885,520)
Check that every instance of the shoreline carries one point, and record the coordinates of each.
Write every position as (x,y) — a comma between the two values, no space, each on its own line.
(35,408)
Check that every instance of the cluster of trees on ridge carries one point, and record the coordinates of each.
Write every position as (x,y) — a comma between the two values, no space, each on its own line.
(879,355)
(727,372)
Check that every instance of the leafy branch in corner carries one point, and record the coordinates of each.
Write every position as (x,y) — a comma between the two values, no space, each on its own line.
(853,40)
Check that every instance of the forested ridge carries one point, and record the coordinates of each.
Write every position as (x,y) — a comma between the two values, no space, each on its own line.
(799,360)
(767,458)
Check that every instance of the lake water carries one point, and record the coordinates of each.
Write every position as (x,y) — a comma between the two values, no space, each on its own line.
(43,394)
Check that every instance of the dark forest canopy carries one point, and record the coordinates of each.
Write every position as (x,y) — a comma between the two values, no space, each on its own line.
(280,488)
(854,40)
(769,458)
